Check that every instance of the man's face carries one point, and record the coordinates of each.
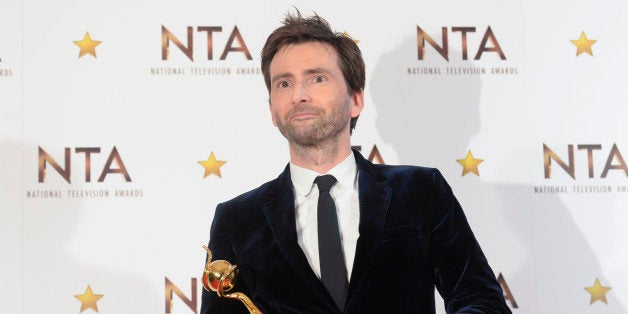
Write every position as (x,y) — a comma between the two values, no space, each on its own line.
(309,98)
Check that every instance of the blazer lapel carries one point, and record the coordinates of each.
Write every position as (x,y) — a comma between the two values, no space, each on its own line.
(374,195)
(279,211)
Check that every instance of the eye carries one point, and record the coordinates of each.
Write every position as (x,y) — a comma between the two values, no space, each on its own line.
(283,84)
(320,79)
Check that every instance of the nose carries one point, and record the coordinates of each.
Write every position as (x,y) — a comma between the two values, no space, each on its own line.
(300,94)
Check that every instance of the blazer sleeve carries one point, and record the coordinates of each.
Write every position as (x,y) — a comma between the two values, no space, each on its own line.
(222,249)
(461,272)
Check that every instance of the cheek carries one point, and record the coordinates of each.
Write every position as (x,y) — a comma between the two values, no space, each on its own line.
(277,112)
(272,114)
(281,97)
(273,118)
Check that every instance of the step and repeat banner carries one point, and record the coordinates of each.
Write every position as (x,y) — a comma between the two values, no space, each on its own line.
(124,123)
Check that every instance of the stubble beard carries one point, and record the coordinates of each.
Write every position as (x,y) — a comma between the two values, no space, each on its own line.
(320,131)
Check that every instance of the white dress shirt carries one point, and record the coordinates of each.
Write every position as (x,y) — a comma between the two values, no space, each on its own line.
(345,195)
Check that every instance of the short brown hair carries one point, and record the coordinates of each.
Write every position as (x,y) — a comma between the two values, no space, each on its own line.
(298,29)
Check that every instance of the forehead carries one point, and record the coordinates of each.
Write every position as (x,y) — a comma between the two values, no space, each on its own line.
(295,57)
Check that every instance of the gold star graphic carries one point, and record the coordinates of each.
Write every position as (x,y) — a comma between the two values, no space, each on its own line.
(584,44)
(470,164)
(88,299)
(87,45)
(598,292)
(212,165)
(346,35)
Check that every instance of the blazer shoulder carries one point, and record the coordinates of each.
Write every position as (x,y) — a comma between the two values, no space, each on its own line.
(395,173)
(406,173)
(256,198)
(418,180)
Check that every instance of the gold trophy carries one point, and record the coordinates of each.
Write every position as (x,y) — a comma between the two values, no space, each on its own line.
(219,276)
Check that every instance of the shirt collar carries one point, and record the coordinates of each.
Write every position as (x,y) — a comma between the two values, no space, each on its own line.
(303,179)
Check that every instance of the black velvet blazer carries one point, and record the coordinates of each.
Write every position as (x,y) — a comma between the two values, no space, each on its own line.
(413,237)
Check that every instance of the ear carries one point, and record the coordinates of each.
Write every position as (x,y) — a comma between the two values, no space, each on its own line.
(357,103)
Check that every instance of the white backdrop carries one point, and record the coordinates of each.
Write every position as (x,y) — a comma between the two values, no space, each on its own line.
(549,237)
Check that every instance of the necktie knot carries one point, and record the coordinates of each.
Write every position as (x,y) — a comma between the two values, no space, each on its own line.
(325,182)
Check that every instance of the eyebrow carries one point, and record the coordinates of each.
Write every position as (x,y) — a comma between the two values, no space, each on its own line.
(316,71)
(306,72)
(281,76)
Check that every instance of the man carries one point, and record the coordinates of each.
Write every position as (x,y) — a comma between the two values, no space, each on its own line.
(369,238)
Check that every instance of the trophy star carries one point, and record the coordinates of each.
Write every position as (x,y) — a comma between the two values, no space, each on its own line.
(88,299)
(584,44)
(87,45)
(598,292)
(470,164)
(212,166)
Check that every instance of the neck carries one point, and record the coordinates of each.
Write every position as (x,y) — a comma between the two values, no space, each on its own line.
(321,157)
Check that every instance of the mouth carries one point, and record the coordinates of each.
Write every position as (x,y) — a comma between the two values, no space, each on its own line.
(306,115)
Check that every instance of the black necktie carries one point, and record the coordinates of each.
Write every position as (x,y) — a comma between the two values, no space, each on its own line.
(333,269)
